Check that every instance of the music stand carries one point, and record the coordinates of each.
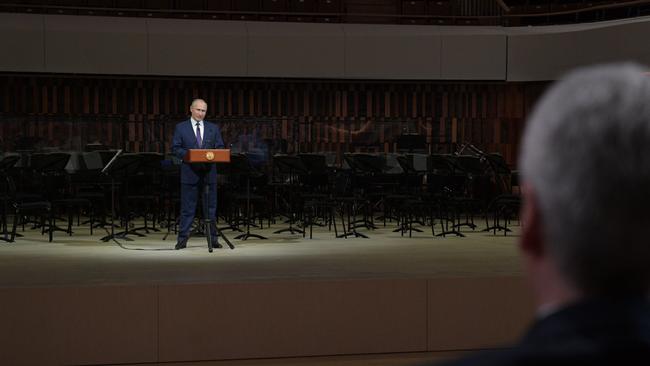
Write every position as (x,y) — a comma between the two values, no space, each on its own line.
(314,163)
(365,163)
(291,165)
(411,143)
(317,176)
(8,162)
(120,163)
(209,156)
(49,162)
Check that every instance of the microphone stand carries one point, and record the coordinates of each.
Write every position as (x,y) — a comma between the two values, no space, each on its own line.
(106,171)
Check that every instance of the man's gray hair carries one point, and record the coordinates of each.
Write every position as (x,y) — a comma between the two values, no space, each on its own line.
(197,100)
(586,154)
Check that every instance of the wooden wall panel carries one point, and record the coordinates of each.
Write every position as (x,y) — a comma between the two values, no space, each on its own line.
(312,115)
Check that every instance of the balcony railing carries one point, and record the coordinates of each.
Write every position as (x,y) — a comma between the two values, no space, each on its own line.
(424,12)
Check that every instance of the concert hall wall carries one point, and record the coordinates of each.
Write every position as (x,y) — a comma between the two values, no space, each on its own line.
(311,115)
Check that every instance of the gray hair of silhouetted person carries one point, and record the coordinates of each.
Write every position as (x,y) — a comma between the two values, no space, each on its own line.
(586,155)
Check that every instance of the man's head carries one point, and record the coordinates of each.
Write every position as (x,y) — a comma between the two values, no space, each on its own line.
(585,161)
(198,109)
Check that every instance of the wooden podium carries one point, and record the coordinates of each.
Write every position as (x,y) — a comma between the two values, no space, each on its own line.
(203,156)
(207,156)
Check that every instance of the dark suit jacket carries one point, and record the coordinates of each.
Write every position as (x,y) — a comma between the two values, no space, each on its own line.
(596,332)
(184,139)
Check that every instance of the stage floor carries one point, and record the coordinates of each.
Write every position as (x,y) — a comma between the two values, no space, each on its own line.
(83,259)
(385,300)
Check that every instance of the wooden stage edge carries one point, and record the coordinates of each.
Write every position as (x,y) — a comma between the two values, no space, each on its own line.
(99,320)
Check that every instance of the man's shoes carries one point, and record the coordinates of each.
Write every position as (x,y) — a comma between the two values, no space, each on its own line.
(215,244)
(182,244)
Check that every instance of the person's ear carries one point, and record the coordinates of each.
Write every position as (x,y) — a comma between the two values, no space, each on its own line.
(531,242)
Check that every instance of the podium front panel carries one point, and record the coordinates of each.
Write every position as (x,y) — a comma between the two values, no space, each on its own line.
(207,156)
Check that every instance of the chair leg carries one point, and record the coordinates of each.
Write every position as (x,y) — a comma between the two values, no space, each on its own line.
(13,230)
(70,218)
(51,224)
(311,224)
(42,223)
(91,212)
(333,214)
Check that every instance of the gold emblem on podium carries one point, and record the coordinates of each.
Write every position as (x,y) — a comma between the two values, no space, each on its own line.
(209,155)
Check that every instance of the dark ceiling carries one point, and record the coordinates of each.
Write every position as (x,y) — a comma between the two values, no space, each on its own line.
(432,12)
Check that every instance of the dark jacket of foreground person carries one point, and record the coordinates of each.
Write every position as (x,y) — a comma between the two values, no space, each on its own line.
(596,332)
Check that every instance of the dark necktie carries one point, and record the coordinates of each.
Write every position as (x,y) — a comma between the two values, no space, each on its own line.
(199,142)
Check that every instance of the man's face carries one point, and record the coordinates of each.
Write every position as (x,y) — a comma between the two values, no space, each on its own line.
(198,110)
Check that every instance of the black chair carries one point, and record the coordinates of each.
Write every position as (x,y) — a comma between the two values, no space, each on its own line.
(142,192)
(505,204)
(317,195)
(366,182)
(170,197)
(6,164)
(392,181)
(23,210)
(410,204)
(89,183)
(42,209)
(241,167)
(287,171)
(344,198)
(472,196)
(444,182)
(227,203)
(56,183)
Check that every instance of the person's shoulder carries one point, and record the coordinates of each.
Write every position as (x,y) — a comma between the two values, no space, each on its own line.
(182,123)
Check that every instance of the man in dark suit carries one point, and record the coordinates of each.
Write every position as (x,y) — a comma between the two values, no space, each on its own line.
(195,133)
(585,160)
